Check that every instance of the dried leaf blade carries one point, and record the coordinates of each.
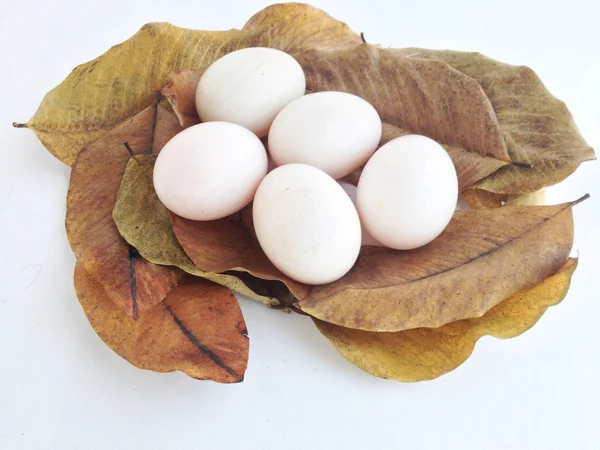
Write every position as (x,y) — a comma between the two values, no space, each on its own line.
(426,353)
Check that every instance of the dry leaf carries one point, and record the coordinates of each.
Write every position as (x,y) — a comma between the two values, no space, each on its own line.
(538,128)
(297,27)
(470,166)
(483,257)
(181,94)
(198,329)
(514,140)
(419,96)
(98,95)
(482,199)
(226,244)
(426,353)
(130,282)
(144,223)
(533,198)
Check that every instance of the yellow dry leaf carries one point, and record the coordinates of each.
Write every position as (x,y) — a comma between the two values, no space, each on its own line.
(426,353)
(98,95)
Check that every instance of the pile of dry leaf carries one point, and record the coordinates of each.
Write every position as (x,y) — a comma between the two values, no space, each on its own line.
(157,288)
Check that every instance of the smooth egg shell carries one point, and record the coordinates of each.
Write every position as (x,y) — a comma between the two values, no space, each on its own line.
(249,87)
(407,192)
(306,224)
(333,131)
(210,170)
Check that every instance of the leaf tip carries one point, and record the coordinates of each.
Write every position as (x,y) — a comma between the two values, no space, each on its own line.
(592,156)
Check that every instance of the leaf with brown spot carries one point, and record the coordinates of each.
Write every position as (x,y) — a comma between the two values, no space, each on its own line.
(100,94)
(538,128)
(198,329)
(225,245)
(131,282)
(483,257)
(144,223)
(427,353)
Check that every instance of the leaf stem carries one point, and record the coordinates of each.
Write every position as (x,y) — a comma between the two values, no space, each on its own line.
(581,199)
(19,125)
(362,37)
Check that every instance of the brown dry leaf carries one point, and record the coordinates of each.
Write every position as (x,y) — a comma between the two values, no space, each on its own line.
(226,244)
(181,94)
(131,282)
(297,27)
(426,353)
(482,199)
(538,128)
(419,96)
(470,167)
(98,95)
(198,329)
(483,257)
(144,223)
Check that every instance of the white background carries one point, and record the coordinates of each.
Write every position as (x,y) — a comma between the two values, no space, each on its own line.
(62,388)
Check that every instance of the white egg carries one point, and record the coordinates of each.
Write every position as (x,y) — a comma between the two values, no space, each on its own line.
(210,170)
(407,192)
(333,131)
(306,224)
(249,87)
(367,239)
